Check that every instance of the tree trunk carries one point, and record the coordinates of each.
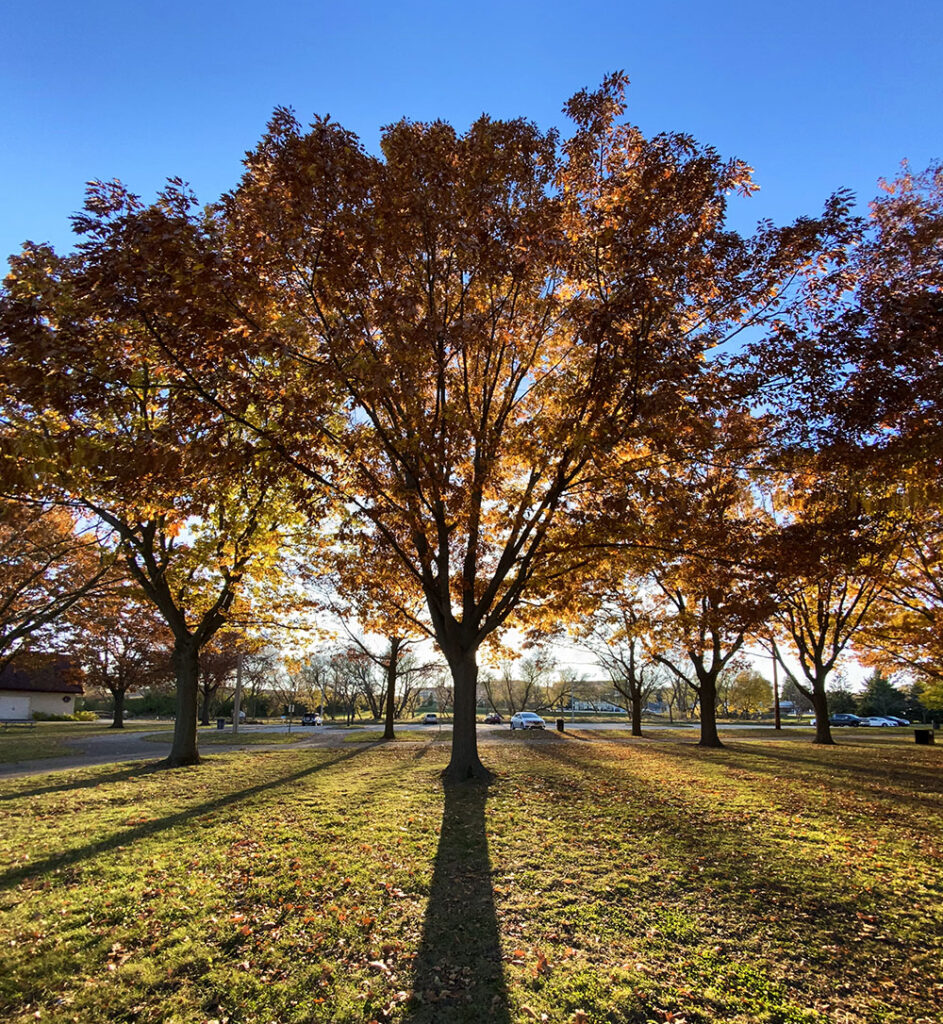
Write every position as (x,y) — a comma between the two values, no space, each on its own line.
(117,697)
(205,712)
(708,700)
(465,764)
(636,714)
(391,668)
(186,662)
(823,730)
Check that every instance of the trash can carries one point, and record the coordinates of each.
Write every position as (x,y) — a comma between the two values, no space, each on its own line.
(559,725)
(220,723)
(923,736)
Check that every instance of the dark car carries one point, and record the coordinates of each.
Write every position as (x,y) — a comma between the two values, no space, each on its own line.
(310,719)
(493,719)
(844,720)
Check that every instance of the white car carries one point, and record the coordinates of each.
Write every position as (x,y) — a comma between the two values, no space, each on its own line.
(876,720)
(527,720)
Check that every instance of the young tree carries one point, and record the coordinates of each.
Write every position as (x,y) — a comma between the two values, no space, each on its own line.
(121,642)
(218,661)
(310,682)
(258,670)
(521,683)
(713,584)
(800,701)
(881,697)
(366,590)
(345,682)
(748,693)
(835,560)
(841,698)
(616,636)
(672,689)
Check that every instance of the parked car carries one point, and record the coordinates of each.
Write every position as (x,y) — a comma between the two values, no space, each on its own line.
(842,719)
(877,720)
(527,720)
(311,719)
(493,719)
(430,718)
(896,719)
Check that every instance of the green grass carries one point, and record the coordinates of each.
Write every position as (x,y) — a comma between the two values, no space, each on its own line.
(212,736)
(593,881)
(50,739)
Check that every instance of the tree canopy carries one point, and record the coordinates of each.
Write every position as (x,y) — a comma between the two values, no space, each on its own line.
(476,369)
(509,322)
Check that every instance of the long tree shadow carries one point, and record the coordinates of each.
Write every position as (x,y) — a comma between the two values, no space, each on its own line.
(924,784)
(123,770)
(745,864)
(62,859)
(458,976)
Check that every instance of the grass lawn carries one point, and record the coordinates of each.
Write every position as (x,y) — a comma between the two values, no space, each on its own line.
(211,736)
(50,739)
(594,881)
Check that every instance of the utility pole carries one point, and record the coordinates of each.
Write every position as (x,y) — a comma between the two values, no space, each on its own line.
(237,700)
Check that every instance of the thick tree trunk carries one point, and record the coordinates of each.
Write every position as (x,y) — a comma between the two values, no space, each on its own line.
(391,668)
(186,662)
(117,697)
(637,715)
(465,764)
(823,730)
(708,701)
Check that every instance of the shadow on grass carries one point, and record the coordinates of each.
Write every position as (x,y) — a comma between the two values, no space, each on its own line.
(64,859)
(124,771)
(583,737)
(708,848)
(915,785)
(457,974)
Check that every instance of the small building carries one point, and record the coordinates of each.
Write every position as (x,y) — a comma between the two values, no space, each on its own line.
(41,683)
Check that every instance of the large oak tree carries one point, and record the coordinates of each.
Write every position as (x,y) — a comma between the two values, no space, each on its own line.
(508,318)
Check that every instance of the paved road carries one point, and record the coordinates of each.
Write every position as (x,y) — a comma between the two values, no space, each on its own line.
(114,747)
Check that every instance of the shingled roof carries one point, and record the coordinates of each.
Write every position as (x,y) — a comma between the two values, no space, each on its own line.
(42,674)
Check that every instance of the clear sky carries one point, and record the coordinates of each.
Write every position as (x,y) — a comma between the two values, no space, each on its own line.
(813,95)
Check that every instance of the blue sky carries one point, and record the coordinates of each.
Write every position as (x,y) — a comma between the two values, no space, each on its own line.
(813,95)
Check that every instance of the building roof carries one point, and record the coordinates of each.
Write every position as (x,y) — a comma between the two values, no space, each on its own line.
(42,674)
